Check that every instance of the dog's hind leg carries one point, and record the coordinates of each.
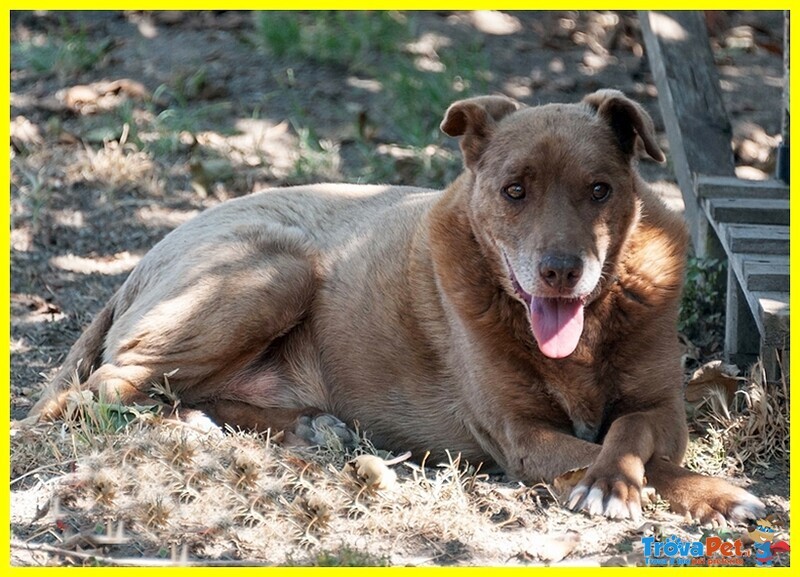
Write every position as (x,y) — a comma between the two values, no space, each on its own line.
(242,415)
(197,325)
(77,366)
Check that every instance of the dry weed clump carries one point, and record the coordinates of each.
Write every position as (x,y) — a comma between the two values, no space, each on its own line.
(119,167)
(241,496)
(750,430)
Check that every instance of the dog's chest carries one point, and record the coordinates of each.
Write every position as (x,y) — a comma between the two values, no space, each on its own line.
(583,398)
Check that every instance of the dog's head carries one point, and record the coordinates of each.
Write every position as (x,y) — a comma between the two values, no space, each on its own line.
(553,198)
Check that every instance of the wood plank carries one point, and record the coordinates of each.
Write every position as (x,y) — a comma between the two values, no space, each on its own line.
(761,272)
(691,104)
(773,313)
(742,333)
(761,276)
(732,187)
(768,309)
(749,211)
(755,238)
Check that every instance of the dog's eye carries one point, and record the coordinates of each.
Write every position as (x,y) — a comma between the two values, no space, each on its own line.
(600,191)
(514,191)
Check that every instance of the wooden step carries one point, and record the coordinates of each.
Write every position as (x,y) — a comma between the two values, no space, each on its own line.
(748,211)
(765,280)
(772,317)
(764,274)
(755,238)
(732,187)
(750,218)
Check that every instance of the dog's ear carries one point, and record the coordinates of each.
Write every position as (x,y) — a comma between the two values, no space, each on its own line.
(627,119)
(475,120)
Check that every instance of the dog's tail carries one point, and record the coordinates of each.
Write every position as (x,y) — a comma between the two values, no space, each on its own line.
(84,356)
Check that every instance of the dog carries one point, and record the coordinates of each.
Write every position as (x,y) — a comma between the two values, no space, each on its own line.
(525,317)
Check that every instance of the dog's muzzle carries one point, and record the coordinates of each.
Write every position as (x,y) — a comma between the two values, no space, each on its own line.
(556,321)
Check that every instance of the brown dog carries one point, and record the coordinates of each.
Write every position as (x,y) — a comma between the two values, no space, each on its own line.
(525,316)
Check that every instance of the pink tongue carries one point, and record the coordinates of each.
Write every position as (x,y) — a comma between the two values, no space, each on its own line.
(557,325)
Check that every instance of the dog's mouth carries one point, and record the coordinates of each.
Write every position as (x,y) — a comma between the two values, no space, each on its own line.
(556,322)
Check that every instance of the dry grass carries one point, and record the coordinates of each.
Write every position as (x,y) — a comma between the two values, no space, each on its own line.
(115,485)
(750,431)
(117,167)
(241,496)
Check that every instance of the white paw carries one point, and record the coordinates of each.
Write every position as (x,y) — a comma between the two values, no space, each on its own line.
(595,502)
(749,507)
(199,422)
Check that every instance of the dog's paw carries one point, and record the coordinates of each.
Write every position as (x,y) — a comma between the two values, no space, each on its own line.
(615,497)
(709,500)
(718,505)
(325,430)
(199,422)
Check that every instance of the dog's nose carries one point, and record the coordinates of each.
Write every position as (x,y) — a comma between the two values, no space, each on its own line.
(561,271)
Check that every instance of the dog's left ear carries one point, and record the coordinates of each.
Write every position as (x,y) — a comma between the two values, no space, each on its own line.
(475,119)
(627,119)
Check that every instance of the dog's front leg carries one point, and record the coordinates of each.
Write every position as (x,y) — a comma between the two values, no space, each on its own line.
(612,485)
(533,452)
(649,446)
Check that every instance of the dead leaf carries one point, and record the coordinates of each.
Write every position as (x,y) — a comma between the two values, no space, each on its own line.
(374,472)
(563,484)
(712,380)
(524,557)
(35,304)
(690,353)
(100,96)
(649,528)
(553,549)
(25,133)
(75,97)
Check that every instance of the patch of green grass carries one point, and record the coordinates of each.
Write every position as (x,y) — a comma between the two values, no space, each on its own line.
(280,32)
(412,97)
(418,166)
(344,557)
(342,38)
(33,190)
(707,455)
(416,94)
(101,416)
(179,116)
(65,53)
(188,85)
(317,159)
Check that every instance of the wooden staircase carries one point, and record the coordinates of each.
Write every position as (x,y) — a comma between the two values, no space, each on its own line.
(744,222)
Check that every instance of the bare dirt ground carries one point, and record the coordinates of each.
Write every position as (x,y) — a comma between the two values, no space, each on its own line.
(125,125)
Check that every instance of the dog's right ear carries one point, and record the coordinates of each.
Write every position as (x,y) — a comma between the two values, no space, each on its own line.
(475,120)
